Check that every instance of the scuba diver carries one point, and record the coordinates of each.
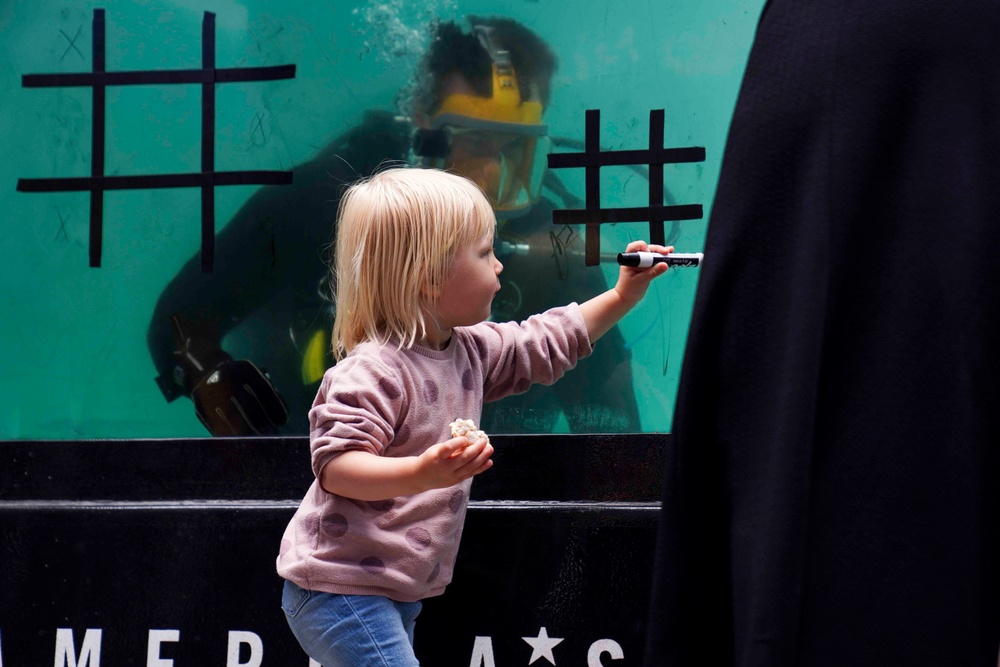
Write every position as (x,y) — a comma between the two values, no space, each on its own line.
(249,343)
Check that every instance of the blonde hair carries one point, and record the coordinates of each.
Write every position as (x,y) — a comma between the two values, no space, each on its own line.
(397,233)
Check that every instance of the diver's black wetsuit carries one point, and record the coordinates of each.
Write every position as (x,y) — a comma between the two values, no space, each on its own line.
(269,283)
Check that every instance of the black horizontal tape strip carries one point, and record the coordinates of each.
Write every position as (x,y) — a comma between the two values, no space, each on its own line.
(236,74)
(153,77)
(576,216)
(153,181)
(624,158)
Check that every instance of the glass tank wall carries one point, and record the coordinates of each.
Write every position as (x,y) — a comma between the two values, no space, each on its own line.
(139,167)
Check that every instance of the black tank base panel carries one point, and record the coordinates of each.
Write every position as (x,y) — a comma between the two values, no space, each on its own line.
(168,546)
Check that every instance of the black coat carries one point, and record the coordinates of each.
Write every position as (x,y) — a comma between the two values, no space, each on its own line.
(831,496)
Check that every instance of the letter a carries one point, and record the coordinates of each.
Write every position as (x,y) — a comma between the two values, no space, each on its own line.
(482,653)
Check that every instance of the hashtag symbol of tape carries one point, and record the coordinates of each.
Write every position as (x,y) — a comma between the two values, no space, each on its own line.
(207,179)
(593,158)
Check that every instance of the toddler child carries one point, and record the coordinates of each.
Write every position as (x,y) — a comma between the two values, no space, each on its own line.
(378,530)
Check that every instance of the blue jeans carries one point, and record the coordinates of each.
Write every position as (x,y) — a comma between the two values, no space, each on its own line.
(351,630)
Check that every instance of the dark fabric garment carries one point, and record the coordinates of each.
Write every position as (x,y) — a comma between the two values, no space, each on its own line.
(831,496)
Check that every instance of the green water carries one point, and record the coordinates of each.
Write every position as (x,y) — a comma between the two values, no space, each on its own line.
(73,356)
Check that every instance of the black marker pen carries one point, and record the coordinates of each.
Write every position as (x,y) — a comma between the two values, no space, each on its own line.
(644,260)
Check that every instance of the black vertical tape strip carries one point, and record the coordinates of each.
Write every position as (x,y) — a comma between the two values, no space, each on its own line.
(592,146)
(656,121)
(97,143)
(208,144)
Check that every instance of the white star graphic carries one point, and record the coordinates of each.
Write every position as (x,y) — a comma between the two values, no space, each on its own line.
(541,646)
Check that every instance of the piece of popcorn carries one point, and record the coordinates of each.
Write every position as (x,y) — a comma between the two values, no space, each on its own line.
(466,428)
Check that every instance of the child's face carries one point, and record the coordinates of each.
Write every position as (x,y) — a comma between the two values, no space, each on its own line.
(467,293)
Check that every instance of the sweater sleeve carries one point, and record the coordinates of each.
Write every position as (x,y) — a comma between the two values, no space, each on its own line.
(539,350)
(357,408)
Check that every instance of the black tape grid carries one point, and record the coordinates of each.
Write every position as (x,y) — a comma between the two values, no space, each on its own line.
(207,180)
(593,158)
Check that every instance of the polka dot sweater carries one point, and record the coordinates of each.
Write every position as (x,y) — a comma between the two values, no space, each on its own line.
(398,403)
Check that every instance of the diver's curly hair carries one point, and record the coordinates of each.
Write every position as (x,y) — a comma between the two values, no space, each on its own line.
(452,49)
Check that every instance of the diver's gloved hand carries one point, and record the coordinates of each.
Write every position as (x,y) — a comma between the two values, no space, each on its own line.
(231,397)
(236,398)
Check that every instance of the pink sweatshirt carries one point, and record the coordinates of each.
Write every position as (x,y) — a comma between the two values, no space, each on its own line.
(398,403)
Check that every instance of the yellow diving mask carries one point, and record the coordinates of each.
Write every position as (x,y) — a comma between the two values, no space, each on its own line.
(498,142)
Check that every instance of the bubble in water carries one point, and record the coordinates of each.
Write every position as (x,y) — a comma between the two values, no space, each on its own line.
(392,34)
